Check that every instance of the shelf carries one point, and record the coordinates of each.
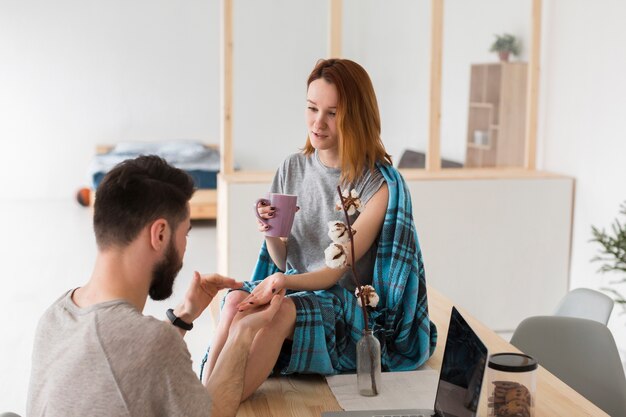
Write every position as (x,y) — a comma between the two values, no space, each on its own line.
(478,105)
(477,146)
(496,118)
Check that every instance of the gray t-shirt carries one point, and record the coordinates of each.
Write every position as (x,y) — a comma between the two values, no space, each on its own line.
(316,187)
(110,360)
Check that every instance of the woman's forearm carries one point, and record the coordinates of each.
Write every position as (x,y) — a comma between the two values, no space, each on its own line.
(277,249)
(312,281)
(368,224)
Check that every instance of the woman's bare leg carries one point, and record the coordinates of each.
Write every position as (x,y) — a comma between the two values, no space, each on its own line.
(266,347)
(221,333)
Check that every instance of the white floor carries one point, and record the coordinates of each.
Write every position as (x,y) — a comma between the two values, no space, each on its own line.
(47,248)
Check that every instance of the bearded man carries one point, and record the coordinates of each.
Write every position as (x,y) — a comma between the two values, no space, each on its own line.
(96,354)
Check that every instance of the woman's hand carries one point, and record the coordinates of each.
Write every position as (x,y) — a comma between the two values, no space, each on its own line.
(265,211)
(264,292)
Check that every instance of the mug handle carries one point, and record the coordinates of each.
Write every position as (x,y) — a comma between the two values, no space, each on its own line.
(256,210)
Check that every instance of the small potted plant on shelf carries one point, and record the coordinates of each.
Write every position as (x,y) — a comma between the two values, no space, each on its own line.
(505,45)
(612,253)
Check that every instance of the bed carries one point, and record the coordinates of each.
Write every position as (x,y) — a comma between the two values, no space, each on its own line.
(199,160)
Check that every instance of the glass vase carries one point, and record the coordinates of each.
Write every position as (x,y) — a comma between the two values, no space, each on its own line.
(368,364)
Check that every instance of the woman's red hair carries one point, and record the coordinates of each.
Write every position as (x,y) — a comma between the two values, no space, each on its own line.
(358,119)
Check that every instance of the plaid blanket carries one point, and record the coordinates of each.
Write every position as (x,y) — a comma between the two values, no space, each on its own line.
(329,323)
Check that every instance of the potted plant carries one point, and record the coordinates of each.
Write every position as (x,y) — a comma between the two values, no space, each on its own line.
(505,45)
(612,253)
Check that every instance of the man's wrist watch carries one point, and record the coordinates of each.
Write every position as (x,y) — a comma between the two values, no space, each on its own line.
(176,321)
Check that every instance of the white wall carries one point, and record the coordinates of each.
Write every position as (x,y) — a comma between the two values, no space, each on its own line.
(582,129)
(276,44)
(78,73)
(390,39)
(275,52)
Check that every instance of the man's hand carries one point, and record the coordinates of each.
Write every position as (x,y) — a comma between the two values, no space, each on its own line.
(202,290)
(255,318)
(225,384)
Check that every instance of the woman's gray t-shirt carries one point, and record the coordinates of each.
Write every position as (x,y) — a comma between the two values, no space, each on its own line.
(316,187)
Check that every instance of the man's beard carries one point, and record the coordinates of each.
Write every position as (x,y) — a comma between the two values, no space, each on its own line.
(164,274)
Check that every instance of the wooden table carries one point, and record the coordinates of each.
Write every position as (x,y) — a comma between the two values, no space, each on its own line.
(308,396)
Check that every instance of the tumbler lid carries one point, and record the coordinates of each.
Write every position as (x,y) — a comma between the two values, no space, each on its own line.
(512,362)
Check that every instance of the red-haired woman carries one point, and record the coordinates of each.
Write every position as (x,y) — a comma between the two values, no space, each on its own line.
(319,323)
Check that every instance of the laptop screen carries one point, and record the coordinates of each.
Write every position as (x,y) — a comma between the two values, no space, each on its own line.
(462,370)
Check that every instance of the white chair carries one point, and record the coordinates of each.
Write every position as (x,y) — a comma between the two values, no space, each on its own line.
(580,352)
(586,303)
(9,415)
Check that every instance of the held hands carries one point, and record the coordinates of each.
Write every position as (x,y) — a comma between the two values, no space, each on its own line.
(263,293)
(202,290)
(258,316)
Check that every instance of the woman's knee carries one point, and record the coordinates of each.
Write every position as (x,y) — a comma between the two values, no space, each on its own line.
(285,318)
(232,300)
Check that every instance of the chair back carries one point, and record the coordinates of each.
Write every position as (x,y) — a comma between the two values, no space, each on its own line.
(586,303)
(580,352)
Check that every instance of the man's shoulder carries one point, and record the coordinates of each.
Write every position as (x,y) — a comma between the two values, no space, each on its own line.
(134,343)
(114,321)
(124,321)
(59,303)
(52,319)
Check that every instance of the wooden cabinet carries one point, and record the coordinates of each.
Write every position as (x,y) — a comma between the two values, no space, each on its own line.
(497,115)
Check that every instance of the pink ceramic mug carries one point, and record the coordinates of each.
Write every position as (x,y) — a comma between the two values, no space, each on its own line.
(280,224)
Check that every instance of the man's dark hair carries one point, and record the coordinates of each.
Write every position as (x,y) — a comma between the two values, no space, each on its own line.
(135,193)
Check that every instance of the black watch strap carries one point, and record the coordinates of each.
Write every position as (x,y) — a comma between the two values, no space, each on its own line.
(176,321)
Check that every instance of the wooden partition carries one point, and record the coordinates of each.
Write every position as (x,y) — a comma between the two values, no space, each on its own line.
(497,240)
(335,7)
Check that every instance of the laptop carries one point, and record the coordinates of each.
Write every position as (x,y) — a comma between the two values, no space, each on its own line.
(460,379)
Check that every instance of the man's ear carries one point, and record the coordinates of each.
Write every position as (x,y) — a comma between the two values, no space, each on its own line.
(159,234)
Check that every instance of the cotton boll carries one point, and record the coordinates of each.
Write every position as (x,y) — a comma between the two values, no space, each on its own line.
(338,205)
(351,201)
(373,300)
(335,256)
(338,232)
(356,201)
(369,293)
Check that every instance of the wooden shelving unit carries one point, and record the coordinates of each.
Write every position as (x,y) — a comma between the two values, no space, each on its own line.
(497,115)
